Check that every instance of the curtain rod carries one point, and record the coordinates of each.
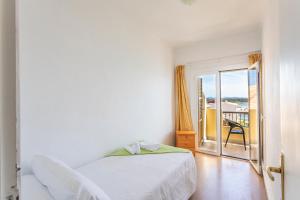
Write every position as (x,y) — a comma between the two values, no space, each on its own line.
(220,58)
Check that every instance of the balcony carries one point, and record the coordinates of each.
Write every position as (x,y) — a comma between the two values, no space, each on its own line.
(235,145)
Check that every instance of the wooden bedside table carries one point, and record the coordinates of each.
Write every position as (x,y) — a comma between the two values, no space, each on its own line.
(186,140)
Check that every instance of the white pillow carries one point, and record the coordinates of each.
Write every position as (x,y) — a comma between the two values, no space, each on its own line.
(149,146)
(64,183)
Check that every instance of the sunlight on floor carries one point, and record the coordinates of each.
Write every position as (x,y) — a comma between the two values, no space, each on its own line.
(233,150)
(227,179)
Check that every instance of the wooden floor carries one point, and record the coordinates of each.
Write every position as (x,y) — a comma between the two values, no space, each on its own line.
(221,178)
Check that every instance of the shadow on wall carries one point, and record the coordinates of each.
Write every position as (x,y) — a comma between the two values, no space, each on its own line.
(170,138)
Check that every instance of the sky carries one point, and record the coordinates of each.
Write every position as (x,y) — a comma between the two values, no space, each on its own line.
(233,83)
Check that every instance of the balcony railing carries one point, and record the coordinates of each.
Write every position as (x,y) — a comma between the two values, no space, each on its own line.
(240,117)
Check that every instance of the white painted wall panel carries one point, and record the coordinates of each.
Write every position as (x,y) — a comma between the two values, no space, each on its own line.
(281,49)
(91,80)
(289,12)
(271,68)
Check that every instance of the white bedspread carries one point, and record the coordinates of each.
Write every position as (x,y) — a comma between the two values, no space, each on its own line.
(169,176)
(145,177)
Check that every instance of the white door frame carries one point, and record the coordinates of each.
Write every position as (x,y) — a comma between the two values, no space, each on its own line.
(197,69)
(195,111)
(220,121)
(258,119)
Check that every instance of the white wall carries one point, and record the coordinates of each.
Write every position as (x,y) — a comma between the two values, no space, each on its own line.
(219,48)
(271,68)
(7,98)
(212,56)
(91,80)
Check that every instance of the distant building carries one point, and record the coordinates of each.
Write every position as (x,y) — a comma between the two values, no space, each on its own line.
(226,106)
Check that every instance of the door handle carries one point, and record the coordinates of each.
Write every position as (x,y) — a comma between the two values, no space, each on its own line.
(279,170)
(273,169)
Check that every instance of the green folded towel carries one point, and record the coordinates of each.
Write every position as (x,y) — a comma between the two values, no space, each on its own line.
(163,149)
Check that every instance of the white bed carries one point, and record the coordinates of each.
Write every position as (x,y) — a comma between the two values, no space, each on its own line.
(169,176)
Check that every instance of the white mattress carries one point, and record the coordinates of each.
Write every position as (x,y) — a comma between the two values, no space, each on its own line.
(169,176)
(145,177)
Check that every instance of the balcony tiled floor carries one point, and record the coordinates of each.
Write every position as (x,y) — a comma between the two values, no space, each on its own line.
(234,150)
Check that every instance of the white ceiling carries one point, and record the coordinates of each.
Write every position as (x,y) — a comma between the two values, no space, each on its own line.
(180,24)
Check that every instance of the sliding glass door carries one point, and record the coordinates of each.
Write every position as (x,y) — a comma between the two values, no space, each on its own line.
(208,137)
(235,113)
(228,114)
(255,136)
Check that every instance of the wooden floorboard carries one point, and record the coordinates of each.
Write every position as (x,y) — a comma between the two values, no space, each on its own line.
(221,178)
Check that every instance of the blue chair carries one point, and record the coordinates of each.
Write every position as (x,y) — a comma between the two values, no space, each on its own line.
(235,128)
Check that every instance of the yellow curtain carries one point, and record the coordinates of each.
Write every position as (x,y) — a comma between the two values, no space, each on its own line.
(255,57)
(183,110)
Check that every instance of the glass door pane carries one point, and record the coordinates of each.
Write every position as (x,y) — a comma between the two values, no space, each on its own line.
(254,136)
(235,115)
(207,113)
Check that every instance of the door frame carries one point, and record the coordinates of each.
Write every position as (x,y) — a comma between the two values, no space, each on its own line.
(205,67)
(259,119)
(193,77)
(220,121)
(194,94)
(218,135)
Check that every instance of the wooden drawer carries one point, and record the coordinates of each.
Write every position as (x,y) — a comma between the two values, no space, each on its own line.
(188,138)
(185,141)
(186,144)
